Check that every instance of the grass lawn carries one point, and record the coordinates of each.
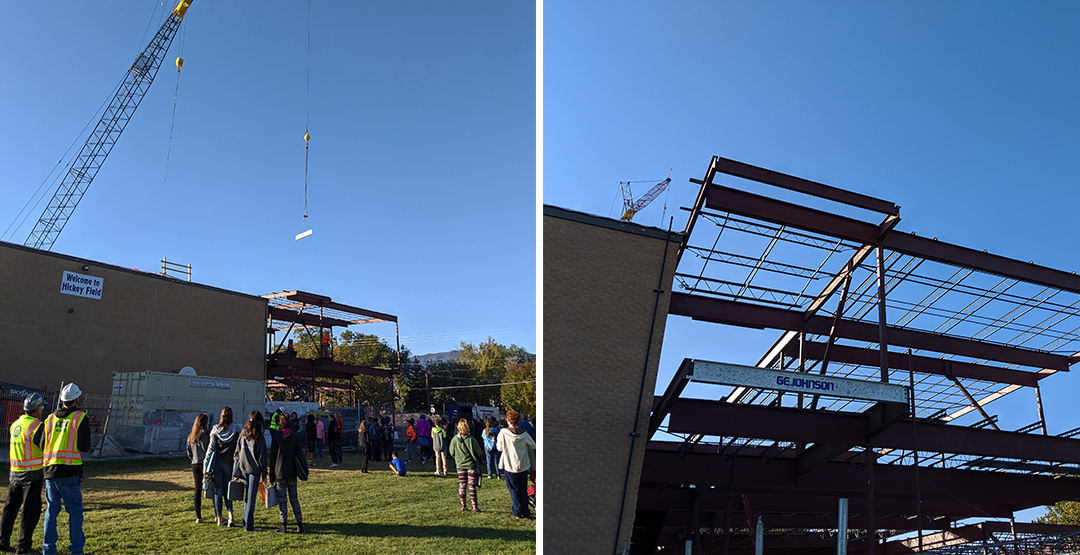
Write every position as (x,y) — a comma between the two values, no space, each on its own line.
(145,506)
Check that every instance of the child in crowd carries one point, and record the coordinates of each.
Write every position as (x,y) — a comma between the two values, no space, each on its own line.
(397,465)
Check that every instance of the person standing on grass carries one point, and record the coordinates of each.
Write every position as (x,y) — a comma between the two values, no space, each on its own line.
(375,433)
(26,479)
(387,437)
(223,439)
(439,445)
(491,433)
(284,451)
(410,441)
(397,465)
(423,431)
(251,452)
(333,437)
(515,443)
(197,443)
(467,455)
(320,436)
(310,432)
(341,438)
(365,444)
(67,437)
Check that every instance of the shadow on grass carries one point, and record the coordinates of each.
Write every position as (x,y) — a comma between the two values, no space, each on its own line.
(107,506)
(126,484)
(408,531)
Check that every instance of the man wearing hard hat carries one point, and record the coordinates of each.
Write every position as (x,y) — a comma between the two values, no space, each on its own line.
(67,437)
(26,477)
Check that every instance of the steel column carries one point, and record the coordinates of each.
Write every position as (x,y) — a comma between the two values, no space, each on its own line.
(883,340)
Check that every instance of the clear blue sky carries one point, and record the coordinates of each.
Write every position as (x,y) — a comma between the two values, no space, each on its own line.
(966,114)
(422,167)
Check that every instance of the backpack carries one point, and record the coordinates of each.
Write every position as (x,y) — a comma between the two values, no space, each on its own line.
(387,434)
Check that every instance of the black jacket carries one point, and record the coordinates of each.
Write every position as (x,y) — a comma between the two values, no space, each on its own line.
(82,443)
(284,449)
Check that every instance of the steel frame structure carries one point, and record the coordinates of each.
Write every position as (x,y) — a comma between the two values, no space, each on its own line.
(300,310)
(853,298)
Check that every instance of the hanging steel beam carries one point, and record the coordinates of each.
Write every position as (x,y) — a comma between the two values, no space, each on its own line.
(755,316)
(925,365)
(841,227)
(717,418)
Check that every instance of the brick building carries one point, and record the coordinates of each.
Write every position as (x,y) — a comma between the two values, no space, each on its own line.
(601,306)
(69,319)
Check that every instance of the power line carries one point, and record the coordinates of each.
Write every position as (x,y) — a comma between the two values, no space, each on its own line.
(483,385)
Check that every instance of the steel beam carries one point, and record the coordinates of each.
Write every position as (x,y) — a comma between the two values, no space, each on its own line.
(924,365)
(841,227)
(839,479)
(677,499)
(662,404)
(756,316)
(789,424)
(798,184)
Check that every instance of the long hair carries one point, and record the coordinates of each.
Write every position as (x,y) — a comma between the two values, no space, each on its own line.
(226,418)
(254,427)
(363,426)
(463,427)
(491,423)
(198,428)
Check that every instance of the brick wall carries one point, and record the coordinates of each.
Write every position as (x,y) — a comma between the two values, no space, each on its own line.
(600,277)
(142,322)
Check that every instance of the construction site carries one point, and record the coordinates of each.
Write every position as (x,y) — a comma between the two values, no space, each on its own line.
(152,349)
(869,425)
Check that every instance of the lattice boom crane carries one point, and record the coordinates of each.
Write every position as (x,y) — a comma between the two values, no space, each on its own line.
(632,206)
(101,141)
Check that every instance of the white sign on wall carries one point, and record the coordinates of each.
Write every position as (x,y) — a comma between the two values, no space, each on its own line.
(762,378)
(210,382)
(81,285)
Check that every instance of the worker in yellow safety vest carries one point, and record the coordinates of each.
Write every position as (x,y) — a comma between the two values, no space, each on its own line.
(67,437)
(26,478)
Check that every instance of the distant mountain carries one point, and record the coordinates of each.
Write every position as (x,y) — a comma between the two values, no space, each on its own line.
(444,356)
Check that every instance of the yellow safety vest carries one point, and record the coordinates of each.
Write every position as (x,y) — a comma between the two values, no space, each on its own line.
(61,439)
(24,455)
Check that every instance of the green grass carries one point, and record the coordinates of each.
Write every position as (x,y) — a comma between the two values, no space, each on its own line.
(145,506)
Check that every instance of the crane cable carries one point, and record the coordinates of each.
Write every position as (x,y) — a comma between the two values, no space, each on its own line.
(172,126)
(307,115)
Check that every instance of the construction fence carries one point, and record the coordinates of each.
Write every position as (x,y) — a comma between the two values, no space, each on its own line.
(122,426)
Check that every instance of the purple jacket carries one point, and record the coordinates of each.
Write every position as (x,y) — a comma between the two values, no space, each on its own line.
(423,428)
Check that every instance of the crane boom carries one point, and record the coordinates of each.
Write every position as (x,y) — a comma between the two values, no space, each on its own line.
(636,206)
(108,129)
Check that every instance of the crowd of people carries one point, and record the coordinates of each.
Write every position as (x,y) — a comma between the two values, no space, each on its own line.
(231,461)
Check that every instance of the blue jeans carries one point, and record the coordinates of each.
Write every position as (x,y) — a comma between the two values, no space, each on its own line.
(493,463)
(249,504)
(410,451)
(69,492)
(222,475)
(518,484)
(318,448)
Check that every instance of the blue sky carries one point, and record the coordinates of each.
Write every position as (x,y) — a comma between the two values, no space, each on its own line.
(421,189)
(963,113)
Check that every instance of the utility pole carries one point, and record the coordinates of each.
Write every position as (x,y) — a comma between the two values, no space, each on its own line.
(427,385)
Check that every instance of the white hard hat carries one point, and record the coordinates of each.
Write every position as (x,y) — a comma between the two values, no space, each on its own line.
(70,393)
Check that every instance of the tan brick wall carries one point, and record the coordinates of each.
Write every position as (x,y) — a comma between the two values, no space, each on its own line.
(142,322)
(599,294)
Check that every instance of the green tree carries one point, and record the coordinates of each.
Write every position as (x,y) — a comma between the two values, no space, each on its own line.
(487,364)
(520,396)
(1062,512)
(356,349)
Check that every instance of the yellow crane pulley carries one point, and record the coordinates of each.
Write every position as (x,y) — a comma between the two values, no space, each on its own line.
(179,63)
